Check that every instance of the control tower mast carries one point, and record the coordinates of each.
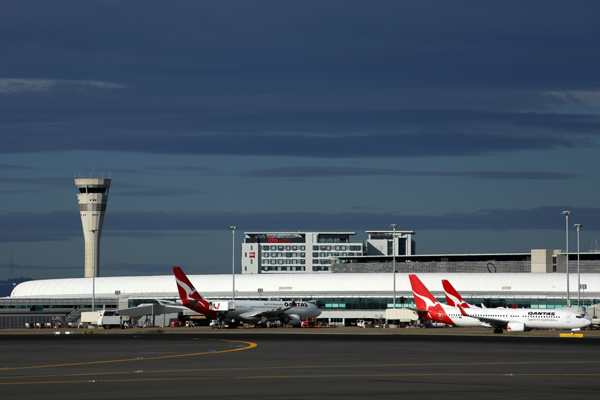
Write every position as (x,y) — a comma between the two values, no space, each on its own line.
(92,198)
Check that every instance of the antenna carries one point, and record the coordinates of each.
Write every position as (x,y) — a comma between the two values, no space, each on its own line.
(594,246)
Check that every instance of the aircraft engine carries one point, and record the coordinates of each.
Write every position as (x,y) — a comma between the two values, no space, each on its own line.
(515,327)
(291,319)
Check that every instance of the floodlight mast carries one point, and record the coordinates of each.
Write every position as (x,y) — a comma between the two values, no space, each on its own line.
(233,228)
(578,275)
(394,226)
(567,213)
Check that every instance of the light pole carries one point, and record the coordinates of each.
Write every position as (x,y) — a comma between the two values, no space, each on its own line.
(233,228)
(94,273)
(394,226)
(578,278)
(567,213)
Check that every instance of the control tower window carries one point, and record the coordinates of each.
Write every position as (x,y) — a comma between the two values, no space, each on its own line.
(92,190)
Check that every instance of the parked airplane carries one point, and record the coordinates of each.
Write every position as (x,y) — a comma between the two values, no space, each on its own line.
(254,311)
(454,299)
(511,319)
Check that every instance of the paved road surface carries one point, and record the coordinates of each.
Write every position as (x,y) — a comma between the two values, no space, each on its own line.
(250,365)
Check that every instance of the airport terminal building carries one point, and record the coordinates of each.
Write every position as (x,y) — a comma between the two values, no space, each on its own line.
(343,298)
(348,280)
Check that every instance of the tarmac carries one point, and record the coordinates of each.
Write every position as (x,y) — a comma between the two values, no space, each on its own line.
(287,363)
(589,333)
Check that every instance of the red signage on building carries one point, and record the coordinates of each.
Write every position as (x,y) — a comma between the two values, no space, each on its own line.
(252,254)
(279,240)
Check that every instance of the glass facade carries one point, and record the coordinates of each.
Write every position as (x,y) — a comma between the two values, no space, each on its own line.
(381,303)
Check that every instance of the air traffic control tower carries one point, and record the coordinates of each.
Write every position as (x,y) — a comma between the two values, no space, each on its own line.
(92,198)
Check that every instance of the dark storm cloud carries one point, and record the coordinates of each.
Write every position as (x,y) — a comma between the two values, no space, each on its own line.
(135,171)
(319,172)
(38,185)
(158,192)
(32,185)
(333,79)
(244,43)
(39,268)
(49,182)
(32,227)
(335,134)
(11,167)
(38,227)
(146,191)
(187,169)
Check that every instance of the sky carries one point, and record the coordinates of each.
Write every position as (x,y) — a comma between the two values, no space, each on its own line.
(473,124)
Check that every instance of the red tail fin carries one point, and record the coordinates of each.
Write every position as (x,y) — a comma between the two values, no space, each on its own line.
(424,300)
(190,296)
(452,297)
(187,291)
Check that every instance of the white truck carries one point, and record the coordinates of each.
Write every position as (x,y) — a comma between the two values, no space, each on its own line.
(105,318)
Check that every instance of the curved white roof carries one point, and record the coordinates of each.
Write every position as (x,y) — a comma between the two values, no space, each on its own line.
(305,284)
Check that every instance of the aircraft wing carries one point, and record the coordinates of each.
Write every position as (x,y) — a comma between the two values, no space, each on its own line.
(421,313)
(277,312)
(493,322)
(172,304)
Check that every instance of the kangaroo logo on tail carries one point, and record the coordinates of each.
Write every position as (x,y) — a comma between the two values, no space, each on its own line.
(187,291)
(452,297)
(423,299)
(426,303)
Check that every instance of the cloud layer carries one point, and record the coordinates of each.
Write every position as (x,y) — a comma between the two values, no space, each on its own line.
(57,226)
(467,117)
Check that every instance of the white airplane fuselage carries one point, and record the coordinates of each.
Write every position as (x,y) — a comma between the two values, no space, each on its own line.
(245,310)
(531,318)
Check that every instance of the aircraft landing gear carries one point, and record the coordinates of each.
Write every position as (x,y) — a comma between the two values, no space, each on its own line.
(498,330)
(215,323)
(220,321)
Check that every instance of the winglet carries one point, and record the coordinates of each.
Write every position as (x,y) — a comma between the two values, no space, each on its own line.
(462,311)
